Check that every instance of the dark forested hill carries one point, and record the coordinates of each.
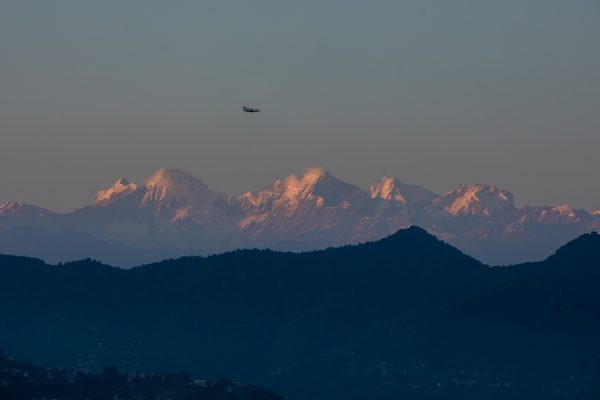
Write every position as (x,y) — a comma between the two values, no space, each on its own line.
(404,317)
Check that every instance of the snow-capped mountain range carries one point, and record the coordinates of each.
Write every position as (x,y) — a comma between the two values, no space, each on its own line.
(175,214)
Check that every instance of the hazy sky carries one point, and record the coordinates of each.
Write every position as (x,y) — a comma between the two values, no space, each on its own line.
(437,93)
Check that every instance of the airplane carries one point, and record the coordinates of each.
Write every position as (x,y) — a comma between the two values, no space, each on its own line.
(250,110)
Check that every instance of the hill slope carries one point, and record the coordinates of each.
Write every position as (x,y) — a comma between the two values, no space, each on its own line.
(387,319)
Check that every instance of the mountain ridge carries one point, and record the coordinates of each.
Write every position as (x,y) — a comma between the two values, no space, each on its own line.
(405,313)
(173,209)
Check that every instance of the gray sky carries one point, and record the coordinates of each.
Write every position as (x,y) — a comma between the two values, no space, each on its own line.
(436,93)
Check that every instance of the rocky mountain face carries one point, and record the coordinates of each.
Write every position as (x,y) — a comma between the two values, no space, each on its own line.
(392,189)
(174,213)
(478,200)
(22,213)
(172,210)
(316,210)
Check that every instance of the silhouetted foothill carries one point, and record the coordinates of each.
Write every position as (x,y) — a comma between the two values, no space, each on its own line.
(408,316)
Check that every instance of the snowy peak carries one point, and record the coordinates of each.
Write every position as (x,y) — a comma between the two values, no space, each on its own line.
(120,189)
(596,213)
(567,214)
(303,205)
(389,188)
(315,186)
(175,195)
(173,178)
(294,187)
(165,189)
(14,209)
(10,208)
(565,210)
(320,184)
(477,200)
(558,214)
(174,185)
